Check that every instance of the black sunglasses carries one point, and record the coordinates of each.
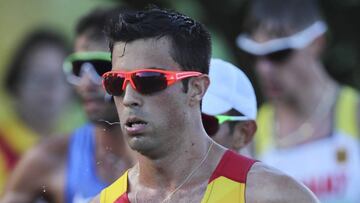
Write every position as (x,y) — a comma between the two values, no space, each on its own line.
(275,57)
(100,63)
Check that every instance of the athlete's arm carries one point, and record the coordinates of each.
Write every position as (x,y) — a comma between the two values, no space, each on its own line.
(265,184)
(96,199)
(33,175)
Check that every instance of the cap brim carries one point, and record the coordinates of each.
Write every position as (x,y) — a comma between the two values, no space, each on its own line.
(212,105)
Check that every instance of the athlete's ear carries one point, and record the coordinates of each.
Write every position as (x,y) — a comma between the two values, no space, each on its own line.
(243,134)
(197,88)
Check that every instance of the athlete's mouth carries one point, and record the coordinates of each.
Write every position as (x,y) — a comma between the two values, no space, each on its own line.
(134,122)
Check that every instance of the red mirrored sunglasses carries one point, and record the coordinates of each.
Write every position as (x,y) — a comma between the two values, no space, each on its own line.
(144,81)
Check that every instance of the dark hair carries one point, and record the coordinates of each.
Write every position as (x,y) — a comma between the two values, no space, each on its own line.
(93,23)
(281,17)
(17,67)
(190,40)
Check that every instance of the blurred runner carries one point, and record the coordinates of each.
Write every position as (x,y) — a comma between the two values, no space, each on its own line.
(75,168)
(310,126)
(231,102)
(34,79)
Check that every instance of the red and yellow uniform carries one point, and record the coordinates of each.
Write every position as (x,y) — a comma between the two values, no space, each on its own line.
(227,183)
(15,140)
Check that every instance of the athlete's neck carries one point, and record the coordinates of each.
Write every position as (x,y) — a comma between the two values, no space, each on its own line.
(170,170)
(312,94)
(308,116)
(186,167)
(113,156)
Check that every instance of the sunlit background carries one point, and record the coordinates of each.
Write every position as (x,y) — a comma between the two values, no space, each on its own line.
(224,18)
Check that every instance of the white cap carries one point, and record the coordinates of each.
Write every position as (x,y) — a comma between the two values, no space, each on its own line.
(296,41)
(229,89)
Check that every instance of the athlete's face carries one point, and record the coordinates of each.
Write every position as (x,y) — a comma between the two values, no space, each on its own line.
(92,94)
(224,136)
(153,121)
(43,66)
(284,78)
(234,135)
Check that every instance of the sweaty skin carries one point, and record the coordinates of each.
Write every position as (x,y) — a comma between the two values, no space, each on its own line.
(173,141)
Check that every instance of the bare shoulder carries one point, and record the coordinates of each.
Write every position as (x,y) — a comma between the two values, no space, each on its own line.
(96,199)
(47,155)
(266,184)
(36,168)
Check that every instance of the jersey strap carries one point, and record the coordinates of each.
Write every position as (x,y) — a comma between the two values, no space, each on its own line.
(346,112)
(228,181)
(116,192)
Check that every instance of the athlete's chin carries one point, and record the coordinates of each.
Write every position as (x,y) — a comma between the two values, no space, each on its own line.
(142,146)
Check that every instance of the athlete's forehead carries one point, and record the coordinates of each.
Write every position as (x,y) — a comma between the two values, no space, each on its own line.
(84,44)
(143,53)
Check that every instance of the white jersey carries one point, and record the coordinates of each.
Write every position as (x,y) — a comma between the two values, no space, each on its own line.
(329,166)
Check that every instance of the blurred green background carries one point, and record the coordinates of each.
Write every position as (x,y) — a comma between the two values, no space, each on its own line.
(224,18)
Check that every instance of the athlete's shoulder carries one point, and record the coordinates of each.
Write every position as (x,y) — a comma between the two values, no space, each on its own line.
(266,184)
(46,155)
(37,168)
(96,199)
(233,166)
(48,150)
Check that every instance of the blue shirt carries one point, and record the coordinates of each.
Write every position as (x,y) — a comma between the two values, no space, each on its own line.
(82,182)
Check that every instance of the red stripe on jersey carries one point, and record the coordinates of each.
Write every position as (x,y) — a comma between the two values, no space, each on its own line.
(123,198)
(10,156)
(233,166)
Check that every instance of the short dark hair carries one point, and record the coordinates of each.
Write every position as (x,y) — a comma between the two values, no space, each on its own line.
(93,23)
(190,40)
(281,17)
(32,41)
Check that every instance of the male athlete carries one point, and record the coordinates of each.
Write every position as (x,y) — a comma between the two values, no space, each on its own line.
(75,168)
(231,101)
(310,126)
(160,62)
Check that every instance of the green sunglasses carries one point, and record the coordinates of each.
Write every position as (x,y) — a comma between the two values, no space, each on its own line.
(212,123)
(225,118)
(95,63)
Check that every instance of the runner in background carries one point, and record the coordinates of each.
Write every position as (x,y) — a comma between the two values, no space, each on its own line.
(39,97)
(75,168)
(309,127)
(231,103)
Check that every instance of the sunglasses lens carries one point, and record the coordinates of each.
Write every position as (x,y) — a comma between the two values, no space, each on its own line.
(76,67)
(148,82)
(113,84)
(280,56)
(211,124)
(100,66)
